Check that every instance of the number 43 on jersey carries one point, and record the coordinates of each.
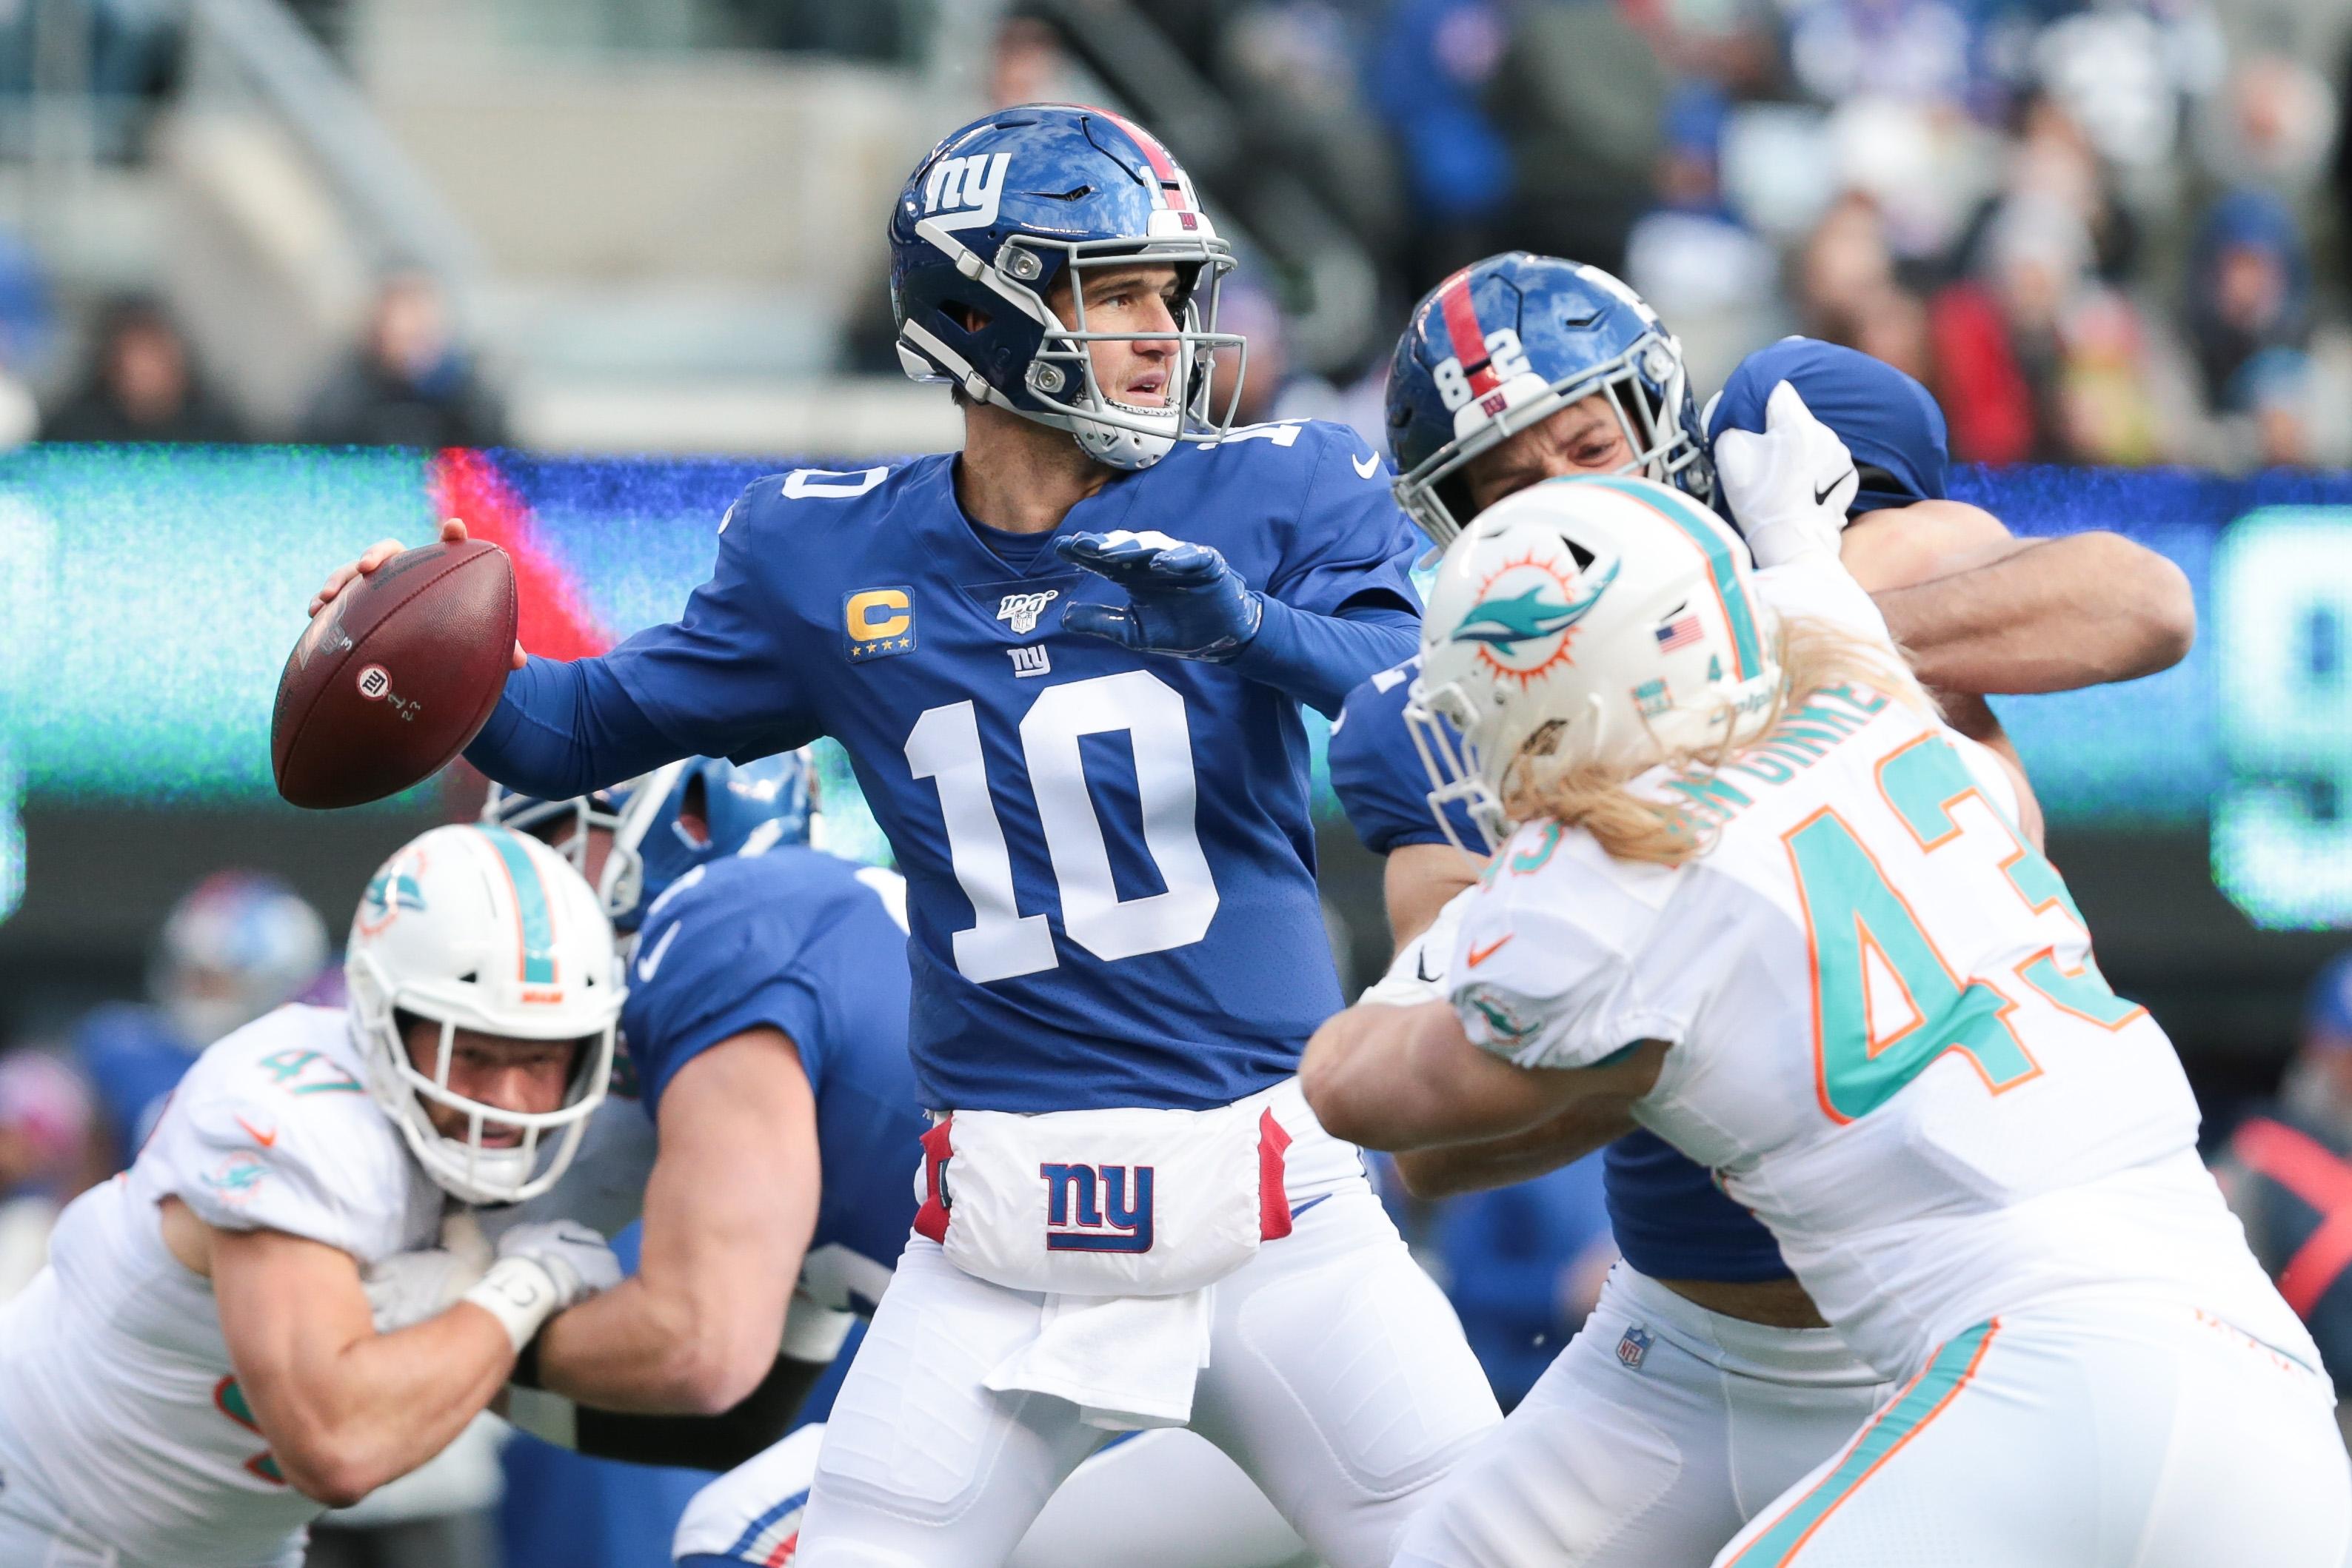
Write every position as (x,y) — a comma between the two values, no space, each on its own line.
(1873,956)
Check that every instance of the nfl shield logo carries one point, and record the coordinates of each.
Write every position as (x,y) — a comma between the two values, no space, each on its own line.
(1023,609)
(1634,1347)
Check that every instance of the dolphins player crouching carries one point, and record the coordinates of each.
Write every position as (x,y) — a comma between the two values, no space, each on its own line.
(255,1323)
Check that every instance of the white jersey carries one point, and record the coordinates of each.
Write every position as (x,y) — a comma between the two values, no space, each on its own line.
(1889,1038)
(119,1409)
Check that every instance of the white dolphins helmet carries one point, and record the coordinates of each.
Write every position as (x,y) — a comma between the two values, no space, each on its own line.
(483,928)
(1601,618)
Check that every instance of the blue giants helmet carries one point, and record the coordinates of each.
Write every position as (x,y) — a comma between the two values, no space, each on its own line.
(744,809)
(1887,420)
(1505,343)
(1026,200)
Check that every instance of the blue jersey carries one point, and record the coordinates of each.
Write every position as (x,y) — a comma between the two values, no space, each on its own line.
(800,941)
(1378,774)
(133,1059)
(1109,855)
(1673,1222)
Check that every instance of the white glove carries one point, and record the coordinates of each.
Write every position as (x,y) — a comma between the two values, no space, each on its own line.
(541,1270)
(1791,486)
(407,1288)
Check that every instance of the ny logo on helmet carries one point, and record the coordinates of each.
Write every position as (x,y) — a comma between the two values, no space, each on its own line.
(1022,608)
(977,182)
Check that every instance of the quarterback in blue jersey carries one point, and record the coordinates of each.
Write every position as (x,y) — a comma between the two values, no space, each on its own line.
(1067,663)
(1740,1389)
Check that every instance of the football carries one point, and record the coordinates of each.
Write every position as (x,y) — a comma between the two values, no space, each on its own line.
(394,677)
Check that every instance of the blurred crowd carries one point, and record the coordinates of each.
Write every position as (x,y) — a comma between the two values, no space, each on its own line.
(409,381)
(2103,230)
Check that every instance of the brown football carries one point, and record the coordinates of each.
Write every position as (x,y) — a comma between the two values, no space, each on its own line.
(392,678)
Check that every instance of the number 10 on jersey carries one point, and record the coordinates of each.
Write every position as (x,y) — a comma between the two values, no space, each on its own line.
(1003,943)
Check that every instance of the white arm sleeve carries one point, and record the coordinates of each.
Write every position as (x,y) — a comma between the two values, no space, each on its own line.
(1543,974)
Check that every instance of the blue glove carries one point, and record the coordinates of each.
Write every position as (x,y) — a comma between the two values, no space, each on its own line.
(1183,601)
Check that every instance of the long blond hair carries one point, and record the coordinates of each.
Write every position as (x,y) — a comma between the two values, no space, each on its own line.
(1814,656)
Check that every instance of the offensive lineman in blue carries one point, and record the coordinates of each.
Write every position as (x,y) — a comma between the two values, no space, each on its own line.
(766,985)
(1067,666)
(765,1030)
(1704,1380)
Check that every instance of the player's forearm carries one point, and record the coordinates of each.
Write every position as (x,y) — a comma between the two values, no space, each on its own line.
(2053,615)
(1405,1078)
(643,1349)
(1454,1168)
(1320,659)
(564,727)
(374,1410)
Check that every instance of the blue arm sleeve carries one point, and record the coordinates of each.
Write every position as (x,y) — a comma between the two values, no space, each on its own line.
(1340,608)
(564,728)
(1318,659)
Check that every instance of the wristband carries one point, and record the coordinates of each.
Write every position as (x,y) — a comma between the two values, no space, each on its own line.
(520,1293)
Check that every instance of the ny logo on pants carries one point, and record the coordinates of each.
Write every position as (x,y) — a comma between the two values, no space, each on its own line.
(1075,1221)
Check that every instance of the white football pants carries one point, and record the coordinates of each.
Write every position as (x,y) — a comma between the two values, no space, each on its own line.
(1338,1381)
(1658,1432)
(2098,1430)
(1160,1499)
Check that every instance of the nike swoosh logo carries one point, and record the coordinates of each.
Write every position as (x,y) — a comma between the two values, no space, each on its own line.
(1480,954)
(1420,967)
(1301,1208)
(1823,495)
(652,961)
(1366,467)
(267,1140)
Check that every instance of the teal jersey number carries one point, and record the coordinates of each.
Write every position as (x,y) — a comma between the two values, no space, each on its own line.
(1852,911)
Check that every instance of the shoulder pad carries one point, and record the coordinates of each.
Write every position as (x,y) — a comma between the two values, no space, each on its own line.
(271,1130)
(825,487)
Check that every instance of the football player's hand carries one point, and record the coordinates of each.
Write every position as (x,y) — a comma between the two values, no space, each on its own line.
(407,1288)
(1789,487)
(453,531)
(575,1258)
(1183,601)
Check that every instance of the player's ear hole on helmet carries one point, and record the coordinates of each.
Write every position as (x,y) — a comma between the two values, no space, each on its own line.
(694,812)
